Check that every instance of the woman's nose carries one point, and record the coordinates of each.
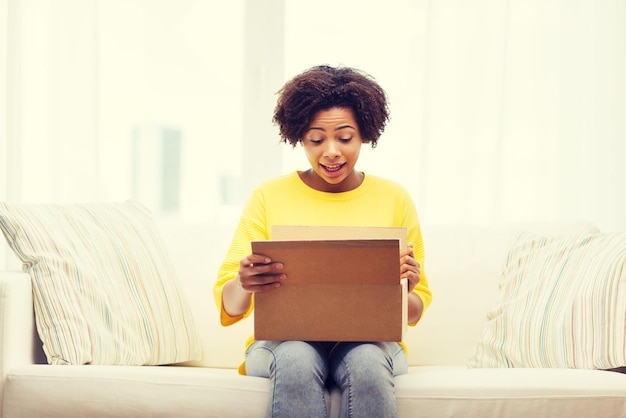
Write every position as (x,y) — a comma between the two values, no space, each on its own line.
(332,149)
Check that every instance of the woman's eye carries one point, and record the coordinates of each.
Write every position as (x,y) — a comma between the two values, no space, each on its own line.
(315,141)
(345,140)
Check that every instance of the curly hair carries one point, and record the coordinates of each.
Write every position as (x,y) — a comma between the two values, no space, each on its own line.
(324,87)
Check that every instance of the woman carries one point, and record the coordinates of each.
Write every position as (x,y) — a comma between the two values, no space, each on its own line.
(330,112)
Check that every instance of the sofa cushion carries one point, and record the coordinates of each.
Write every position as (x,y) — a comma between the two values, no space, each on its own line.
(139,392)
(112,391)
(439,391)
(466,264)
(104,291)
(561,304)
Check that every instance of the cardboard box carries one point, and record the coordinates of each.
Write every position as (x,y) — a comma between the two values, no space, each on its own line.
(339,289)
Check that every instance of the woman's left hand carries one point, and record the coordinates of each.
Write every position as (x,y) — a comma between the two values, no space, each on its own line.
(409,267)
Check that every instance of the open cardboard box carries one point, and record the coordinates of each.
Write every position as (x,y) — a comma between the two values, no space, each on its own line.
(343,284)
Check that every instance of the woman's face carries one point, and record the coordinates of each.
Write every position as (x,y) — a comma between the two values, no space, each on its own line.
(332,144)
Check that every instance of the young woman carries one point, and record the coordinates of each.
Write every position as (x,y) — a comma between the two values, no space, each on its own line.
(330,112)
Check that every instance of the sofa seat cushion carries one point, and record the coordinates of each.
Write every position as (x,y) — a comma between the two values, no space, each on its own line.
(138,391)
(429,391)
(456,391)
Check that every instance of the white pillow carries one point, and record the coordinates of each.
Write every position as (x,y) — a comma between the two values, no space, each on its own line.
(561,304)
(104,290)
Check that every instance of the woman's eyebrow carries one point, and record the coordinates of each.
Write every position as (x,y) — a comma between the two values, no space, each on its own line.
(338,128)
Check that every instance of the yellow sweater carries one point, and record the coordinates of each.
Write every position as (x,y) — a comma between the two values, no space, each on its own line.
(286,200)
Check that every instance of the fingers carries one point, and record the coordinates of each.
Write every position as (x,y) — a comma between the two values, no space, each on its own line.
(409,267)
(258,273)
(408,251)
(408,262)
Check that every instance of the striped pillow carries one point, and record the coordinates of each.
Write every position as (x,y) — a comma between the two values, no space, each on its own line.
(104,290)
(561,304)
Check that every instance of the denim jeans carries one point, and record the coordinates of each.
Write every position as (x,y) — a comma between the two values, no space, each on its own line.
(300,371)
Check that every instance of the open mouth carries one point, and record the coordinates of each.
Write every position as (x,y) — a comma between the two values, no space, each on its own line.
(333,168)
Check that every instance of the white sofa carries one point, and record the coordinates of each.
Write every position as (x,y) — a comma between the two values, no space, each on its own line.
(463,264)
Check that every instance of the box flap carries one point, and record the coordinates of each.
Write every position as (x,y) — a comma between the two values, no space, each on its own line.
(334,261)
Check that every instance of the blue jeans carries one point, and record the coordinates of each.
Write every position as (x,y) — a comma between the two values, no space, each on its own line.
(300,371)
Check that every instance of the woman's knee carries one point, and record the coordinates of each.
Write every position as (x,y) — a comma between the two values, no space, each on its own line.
(363,364)
(300,360)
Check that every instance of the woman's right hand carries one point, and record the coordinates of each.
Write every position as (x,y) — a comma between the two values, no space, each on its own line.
(257,273)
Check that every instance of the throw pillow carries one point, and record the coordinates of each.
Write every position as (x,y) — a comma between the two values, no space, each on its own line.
(104,290)
(561,304)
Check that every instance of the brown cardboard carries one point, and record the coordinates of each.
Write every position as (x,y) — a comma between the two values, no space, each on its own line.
(336,289)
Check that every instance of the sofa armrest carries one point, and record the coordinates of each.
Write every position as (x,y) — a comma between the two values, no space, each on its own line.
(17,324)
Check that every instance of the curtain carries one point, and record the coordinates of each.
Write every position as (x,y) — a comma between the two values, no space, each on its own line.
(522,103)
(502,110)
